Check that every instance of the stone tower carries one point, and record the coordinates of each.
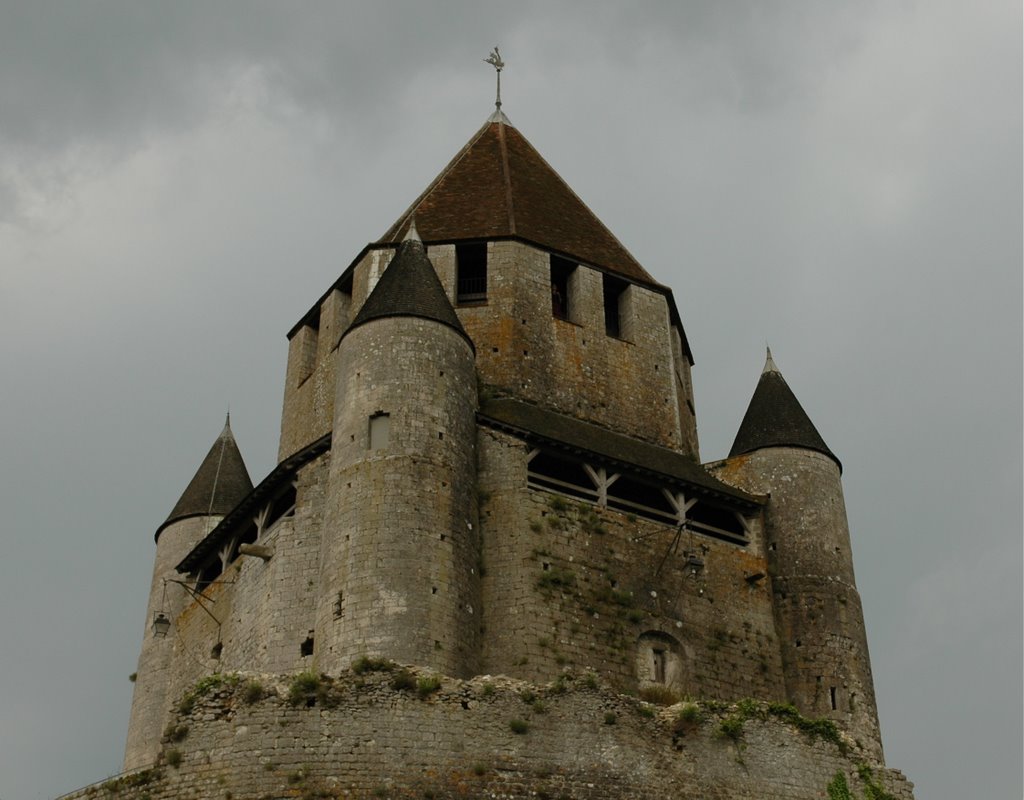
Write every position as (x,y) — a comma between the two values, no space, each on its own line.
(779,452)
(217,487)
(399,551)
(489,540)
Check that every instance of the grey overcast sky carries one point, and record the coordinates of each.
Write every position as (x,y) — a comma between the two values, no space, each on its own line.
(180,181)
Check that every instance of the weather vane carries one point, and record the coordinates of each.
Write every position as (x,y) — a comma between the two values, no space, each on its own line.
(494,59)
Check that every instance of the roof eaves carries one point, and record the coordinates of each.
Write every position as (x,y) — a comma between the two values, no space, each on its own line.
(692,474)
(274,480)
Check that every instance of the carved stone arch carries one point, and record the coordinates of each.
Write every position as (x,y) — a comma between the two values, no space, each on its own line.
(659,660)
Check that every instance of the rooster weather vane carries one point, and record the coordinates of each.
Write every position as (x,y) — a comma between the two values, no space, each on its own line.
(494,59)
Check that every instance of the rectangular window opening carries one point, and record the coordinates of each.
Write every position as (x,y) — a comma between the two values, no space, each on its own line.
(380,430)
(471,273)
(832,696)
(614,301)
(561,272)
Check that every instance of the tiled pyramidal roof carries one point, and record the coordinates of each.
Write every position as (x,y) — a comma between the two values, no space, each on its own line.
(775,418)
(220,483)
(409,287)
(498,185)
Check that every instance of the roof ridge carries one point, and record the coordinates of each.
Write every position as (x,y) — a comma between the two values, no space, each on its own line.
(506,174)
(400,223)
(588,209)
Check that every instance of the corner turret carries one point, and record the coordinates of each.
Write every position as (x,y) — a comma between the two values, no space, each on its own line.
(221,481)
(219,484)
(399,552)
(775,418)
(817,608)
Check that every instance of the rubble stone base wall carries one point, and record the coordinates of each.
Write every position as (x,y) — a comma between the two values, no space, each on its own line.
(390,732)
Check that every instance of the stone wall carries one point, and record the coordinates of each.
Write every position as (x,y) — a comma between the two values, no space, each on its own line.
(568,584)
(398,564)
(818,610)
(627,384)
(395,733)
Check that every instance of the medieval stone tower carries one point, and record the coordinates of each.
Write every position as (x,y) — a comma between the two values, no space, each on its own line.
(490,561)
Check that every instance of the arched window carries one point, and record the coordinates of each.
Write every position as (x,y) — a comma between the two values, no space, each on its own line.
(658,661)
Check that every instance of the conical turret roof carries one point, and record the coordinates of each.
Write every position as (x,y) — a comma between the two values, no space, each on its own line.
(409,287)
(497,186)
(775,418)
(220,483)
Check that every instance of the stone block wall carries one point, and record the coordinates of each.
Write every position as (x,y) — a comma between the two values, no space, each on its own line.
(817,606)
(398,567)
(626,384)
(156,666)
(569,585)
(265,612)
(362,736)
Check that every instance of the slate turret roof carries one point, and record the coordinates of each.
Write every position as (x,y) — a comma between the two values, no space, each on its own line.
(409,287)
(497,186)
(775,418)
(220,483)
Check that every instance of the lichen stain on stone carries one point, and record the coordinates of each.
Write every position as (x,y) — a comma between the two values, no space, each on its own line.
(392,603)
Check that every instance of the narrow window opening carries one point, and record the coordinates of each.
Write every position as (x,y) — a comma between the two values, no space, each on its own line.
(832,696)
(798,642)
(561,271)
(380,430)
(440,434)
(339,606)
(471,273)
(433,590)
(306,648)
(217,650)
(659,665)
(614,297)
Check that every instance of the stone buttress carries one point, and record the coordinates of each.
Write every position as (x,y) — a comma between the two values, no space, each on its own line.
(399,557)
(218,485)
(818,612)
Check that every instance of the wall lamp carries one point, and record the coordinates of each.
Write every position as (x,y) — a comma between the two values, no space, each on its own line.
(162,623)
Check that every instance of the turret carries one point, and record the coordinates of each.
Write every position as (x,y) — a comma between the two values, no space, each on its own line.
(399,554)
(818,614)
(217,486)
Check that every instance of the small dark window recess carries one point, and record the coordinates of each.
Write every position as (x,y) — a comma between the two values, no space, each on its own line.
(614,300)
(832,696)
(217,650)
(339,606)
(561,271)
(306,648)
(471,273)
(433,590)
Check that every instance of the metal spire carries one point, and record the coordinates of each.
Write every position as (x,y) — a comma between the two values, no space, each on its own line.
(769,363)
(494,59)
